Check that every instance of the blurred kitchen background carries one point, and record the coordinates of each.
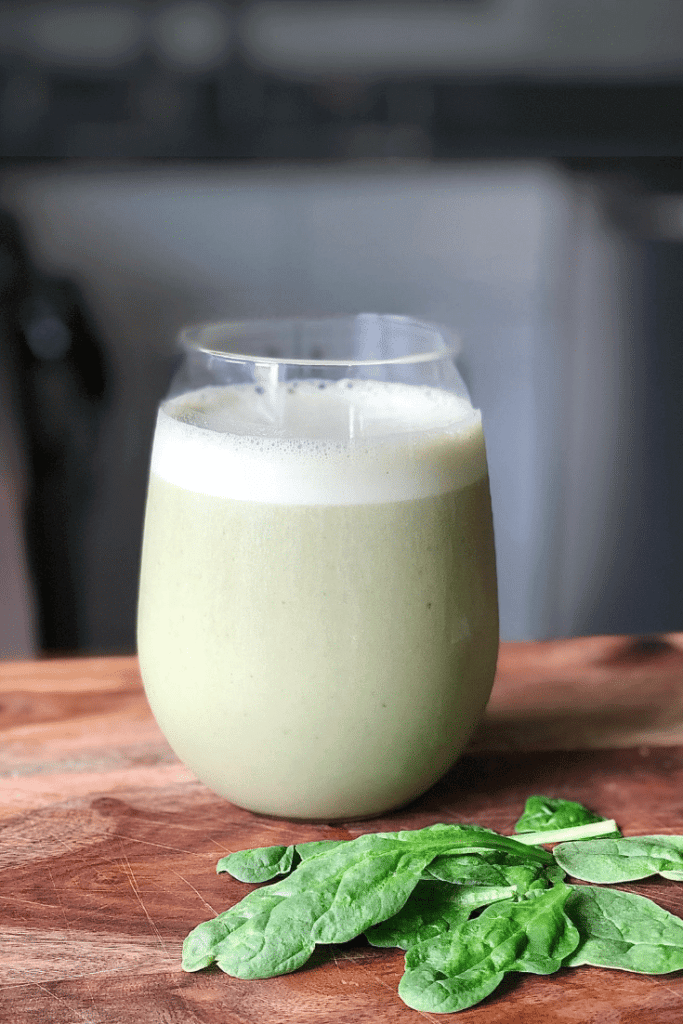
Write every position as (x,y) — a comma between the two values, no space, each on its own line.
(510,168)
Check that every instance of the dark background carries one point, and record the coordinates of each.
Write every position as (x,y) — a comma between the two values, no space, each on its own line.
(590,93)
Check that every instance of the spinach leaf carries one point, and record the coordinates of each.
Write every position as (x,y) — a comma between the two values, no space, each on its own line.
(506,870)
(455,886)
(305,851)
(625,931)
(258,865)
(542,814)
(473,839)
(331,897)
(433,908)
(461,967)
(623,859)
(418,889)
(267,862)
(199,948)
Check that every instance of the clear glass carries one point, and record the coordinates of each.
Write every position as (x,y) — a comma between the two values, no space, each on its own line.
(317,623)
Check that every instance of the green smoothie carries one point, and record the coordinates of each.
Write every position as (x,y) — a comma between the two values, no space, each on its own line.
(317,658)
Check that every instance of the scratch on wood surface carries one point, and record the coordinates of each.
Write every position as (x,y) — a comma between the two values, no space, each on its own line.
(664,983)
(177,824)
(69,848)
(32,903)
(134,886)
(335,961)
(60,904)
(182,879)
(160,846)
(219,846)
(67,923)
(64,1002)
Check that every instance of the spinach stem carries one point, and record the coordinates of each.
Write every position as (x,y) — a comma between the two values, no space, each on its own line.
(565,835)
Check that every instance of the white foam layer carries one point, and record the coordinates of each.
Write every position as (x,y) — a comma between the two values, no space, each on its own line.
(347,443)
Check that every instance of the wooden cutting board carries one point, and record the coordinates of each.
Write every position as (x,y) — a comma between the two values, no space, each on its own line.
(108,846)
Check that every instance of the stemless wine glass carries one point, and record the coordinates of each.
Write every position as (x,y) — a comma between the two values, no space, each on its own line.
(317,623)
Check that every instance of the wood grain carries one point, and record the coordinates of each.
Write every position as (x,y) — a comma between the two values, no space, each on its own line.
(108,846)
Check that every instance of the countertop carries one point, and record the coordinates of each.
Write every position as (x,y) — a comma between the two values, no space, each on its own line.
(108,845)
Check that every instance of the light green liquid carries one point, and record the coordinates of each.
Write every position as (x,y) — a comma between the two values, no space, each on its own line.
(319,661)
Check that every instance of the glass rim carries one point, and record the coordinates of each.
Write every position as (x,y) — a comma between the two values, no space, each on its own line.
(189,340)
